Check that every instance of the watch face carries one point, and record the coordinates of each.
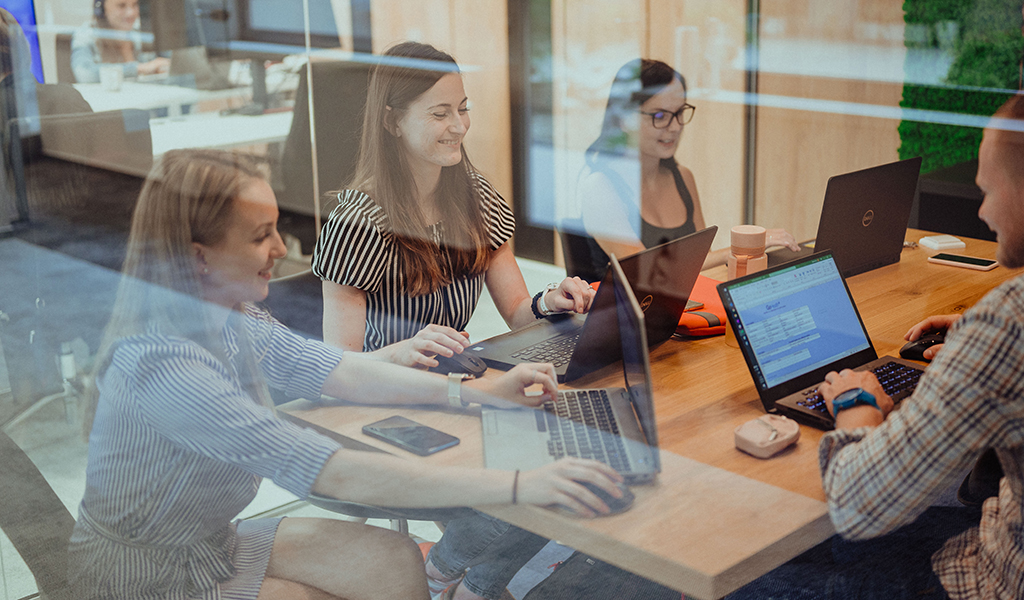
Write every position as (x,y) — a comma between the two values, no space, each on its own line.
(848,395)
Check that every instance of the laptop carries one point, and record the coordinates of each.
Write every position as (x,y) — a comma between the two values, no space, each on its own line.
(613,425)
(795,323)
(662,278)
(863,218)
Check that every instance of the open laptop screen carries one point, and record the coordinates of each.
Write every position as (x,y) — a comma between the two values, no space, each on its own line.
(796,319)
(636,364)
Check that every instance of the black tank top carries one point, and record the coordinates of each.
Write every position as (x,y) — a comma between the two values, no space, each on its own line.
(650,235)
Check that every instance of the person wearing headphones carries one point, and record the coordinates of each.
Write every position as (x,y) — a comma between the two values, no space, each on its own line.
(112,36)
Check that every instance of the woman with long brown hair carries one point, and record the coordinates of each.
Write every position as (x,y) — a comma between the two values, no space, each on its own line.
(112,37)
(181,428)
(419,230)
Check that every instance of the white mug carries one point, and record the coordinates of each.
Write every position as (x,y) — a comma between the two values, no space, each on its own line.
(111,77)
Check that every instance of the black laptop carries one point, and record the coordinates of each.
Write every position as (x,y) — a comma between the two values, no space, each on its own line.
(662,278)
(795,323)
(613,425)
(863,218)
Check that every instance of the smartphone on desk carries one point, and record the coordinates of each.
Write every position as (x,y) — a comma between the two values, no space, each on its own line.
(410,435)
(967,262)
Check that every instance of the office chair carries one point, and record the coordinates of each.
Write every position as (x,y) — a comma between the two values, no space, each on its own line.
(339,95)
(297,301)
(578,251)
(63,52)
(35,520)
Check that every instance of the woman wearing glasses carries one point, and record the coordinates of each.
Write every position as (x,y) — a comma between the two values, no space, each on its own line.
(643,123)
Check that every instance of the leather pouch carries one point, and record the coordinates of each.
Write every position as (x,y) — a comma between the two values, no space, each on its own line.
(766,436)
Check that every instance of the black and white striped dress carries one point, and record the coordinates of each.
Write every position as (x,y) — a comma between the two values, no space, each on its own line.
(356,248)
(177,449)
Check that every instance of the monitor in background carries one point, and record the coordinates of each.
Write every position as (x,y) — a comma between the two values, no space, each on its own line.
(25,13)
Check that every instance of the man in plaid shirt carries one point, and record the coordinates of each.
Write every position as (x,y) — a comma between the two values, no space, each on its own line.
(882,471)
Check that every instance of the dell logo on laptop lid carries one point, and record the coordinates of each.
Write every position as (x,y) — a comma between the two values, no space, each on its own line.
(867,218)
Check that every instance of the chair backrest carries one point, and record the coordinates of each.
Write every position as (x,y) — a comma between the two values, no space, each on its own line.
(63,52)
(339,95)
(297,301)
(579,252)
(35,520)
(119,140)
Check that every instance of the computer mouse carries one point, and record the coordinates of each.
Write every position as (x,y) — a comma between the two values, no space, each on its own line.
(915,350)
(459,363)
(616,505)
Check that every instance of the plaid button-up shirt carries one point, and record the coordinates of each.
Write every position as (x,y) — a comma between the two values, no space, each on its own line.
(970,398)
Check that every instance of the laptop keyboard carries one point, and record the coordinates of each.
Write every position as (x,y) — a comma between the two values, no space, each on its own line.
(898,380)
(581,425)
(557,350)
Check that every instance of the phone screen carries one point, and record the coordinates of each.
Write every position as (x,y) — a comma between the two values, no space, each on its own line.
(967,260)
(410,435)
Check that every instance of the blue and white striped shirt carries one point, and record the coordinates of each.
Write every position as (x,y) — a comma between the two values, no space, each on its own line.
(178,448)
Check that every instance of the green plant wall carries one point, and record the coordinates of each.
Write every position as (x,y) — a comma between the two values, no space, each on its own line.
(985,70)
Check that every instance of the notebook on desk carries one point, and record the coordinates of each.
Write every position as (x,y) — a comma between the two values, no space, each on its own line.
(613,425)
(662,278)
(863,218)
(796,322)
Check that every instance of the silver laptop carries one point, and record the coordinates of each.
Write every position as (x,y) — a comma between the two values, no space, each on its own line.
(863,218)
(662,278)
(795,323)
(613,425)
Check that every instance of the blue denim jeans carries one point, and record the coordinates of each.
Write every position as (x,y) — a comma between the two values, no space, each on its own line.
(492,550)
(896,566)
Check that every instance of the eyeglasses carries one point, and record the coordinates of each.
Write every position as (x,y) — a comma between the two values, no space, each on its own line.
(662,118)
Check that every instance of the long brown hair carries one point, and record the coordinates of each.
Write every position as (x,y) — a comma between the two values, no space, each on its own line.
(407,71)
(187,197)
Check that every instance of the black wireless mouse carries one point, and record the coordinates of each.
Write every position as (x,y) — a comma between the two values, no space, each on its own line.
(915,350)
(616,505)
(459,363)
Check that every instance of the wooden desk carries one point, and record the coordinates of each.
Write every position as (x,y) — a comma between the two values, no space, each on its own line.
(716,518)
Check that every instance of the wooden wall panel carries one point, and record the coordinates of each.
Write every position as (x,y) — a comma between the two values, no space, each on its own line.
(798,150)
(591,39)
(701,40)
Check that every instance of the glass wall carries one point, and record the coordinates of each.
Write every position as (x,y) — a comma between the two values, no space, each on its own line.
(784,94)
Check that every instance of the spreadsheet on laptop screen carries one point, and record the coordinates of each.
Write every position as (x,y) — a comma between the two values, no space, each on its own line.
(798,319)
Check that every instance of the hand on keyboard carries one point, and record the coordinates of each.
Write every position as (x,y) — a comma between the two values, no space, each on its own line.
(509,390)
(837,383)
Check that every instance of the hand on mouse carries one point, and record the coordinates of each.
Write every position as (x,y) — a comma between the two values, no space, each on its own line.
(419,350)
(558,483)
(933,323)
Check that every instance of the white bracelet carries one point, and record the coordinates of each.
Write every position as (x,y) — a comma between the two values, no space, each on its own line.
(455,390)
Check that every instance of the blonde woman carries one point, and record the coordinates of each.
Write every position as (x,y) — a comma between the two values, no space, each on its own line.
(182,429)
